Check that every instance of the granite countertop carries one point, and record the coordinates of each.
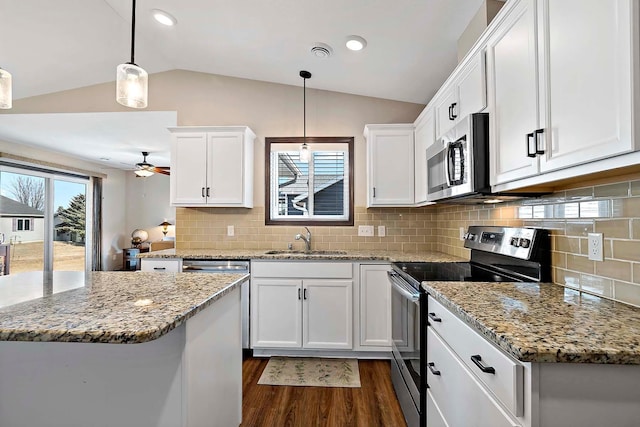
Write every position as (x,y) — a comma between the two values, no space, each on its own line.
(104,307)
(262,254)
(545,322)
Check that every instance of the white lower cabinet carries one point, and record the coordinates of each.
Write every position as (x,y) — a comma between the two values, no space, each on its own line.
(308,305)
(462,400)
(474,383)
(375,306)
(161,265)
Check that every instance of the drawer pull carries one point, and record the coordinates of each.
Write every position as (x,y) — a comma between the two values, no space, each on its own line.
(432,368)
(435,318)
(478,361)
(160,268)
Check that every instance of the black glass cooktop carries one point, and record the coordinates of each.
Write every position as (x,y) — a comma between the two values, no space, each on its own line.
(448,272)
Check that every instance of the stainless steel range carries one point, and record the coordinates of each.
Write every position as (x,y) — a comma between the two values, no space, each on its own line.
(498,254)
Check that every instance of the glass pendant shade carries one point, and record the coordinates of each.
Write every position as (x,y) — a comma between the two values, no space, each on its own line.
(304,153)
(5,90)
(132,84)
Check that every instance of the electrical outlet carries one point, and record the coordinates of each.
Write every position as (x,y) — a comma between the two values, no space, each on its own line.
(382,231)
(231,231)
(596,250)
(365,230)
(461,233)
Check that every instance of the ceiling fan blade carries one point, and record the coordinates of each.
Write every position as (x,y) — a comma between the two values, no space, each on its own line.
(162,170)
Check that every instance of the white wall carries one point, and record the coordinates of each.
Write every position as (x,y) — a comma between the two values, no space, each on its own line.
(147,202)
(114,214)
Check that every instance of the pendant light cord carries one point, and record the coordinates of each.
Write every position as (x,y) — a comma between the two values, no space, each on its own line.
(133,31)
(304,111)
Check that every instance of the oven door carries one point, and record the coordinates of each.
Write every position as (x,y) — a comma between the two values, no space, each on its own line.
(405,327)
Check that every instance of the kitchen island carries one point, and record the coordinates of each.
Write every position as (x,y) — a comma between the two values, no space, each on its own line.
(120,348)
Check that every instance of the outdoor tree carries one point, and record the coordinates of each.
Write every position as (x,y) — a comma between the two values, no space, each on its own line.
(29,191)
(73,217)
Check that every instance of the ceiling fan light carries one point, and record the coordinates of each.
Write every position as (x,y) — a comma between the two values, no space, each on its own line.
(144,172)
(5,90)
(132,86)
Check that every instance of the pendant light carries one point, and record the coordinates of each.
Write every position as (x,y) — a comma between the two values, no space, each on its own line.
(304,148)
(131,80)
(5,90)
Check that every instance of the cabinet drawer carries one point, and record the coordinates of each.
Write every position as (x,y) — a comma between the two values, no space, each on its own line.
(462,400)
(506,382)
(434,416)
(161,265)
(303,269)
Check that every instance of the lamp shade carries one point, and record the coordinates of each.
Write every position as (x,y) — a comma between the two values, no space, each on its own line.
(165,224)
(5,90)
(132,86)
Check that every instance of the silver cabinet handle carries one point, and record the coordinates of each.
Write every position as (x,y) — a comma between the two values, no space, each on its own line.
(202,192)
(159,268)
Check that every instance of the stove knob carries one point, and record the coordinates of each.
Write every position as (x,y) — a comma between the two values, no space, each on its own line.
(514,242)
(525,243)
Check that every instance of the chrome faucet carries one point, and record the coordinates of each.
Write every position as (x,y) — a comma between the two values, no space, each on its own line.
(307,240)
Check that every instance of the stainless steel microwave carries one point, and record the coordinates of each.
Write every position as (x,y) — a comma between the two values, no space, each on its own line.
(458,162)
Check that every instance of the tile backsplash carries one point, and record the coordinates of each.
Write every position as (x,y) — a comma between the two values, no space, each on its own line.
(611,209)
(407,230)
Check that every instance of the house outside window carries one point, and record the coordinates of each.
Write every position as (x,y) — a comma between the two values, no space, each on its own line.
(22,224)
(316,192)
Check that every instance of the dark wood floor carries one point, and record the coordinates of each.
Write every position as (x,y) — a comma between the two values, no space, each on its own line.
(374,404)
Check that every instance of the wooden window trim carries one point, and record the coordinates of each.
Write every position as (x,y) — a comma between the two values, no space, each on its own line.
(298,141)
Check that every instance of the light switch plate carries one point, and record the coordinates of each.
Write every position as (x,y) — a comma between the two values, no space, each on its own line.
(382,231)
(231,231)
(365,230)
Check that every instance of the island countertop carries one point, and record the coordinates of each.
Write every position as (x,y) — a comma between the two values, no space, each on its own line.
(266,254)
(104,307)
(545,322)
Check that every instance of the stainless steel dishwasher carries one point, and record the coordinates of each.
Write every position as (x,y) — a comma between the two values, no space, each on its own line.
(227,266)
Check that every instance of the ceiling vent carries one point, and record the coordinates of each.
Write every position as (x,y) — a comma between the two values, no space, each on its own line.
(321,50)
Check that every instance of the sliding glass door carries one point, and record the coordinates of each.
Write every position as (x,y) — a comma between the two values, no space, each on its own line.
(44,221)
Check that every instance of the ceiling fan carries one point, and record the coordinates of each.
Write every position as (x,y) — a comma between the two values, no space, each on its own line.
(144,168)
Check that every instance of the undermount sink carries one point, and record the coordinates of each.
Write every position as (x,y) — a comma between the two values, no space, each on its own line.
(279,252)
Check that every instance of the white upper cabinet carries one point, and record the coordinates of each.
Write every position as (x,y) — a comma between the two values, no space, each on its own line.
(424,136)
(212,166)
(585,80)
(390,165)
(560,85)
(464,94)
(513,94)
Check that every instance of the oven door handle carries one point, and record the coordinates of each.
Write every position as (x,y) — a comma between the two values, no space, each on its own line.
(401,286)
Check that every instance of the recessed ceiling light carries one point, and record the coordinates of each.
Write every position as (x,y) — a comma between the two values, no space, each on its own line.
(356,43)
(165,18)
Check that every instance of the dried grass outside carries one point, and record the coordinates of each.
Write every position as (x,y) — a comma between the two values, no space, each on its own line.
(29,257)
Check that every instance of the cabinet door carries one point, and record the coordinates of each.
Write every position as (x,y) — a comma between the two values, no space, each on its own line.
(586,80)
(513,94)
(472,87)
(188,168)
(390,169)
(225,173)
(443,111)
(276,311)
(375,306)
(424,136)
(327,320)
